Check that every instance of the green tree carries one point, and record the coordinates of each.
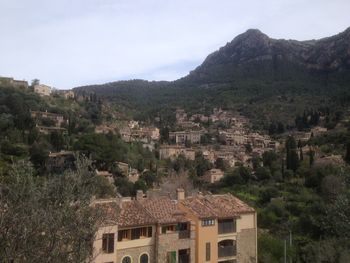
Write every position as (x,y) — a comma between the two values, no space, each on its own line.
(47,218)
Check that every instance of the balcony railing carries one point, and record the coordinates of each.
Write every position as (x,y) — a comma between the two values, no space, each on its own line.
(227,227)
(227,251)
(184,258)
(184,234)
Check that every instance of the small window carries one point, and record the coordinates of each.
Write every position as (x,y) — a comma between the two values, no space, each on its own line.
(108,243)
(126,260)
(168,229)
(207,251)
(144,258)
(208,222)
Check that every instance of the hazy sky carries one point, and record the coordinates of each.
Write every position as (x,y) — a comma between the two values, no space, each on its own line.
(66,43)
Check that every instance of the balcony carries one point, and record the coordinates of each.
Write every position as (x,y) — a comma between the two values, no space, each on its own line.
(184,255)
(184,258)
(226,226)
(227,248)
(183,234)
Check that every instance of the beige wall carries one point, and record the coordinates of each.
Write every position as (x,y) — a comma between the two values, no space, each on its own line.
(207,234)
(246,221)
(247,248)
(98,255)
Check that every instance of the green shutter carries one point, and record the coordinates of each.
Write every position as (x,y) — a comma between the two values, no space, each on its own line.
(173,257)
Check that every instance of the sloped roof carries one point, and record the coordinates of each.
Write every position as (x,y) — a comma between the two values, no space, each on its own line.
(216,206)
(164,210)
(133,214)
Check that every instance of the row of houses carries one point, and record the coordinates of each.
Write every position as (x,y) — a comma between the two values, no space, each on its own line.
(195,229)
(41,89)
(218,115)
(191,136)
(11,82)
(141,134)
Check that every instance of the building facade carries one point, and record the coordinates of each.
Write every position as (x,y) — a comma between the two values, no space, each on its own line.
(198,229)
(42,90)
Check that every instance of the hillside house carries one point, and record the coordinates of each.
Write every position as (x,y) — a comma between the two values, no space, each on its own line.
(42,90)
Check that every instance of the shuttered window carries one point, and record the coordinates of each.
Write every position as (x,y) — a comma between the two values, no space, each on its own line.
(108,243)
(207,251)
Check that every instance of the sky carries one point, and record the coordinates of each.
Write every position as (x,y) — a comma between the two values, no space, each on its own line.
(69,43)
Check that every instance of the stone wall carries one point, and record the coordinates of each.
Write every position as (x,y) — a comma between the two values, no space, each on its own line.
(246,246)
(171,242)
(135,253)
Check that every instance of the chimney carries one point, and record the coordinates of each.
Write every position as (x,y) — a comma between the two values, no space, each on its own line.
(139,195)
(180,194)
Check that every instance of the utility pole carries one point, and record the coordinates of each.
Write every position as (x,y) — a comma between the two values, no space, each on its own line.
(290,244)
(285,251)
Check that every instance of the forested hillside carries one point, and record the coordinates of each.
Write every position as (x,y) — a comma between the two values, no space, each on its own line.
(268,80)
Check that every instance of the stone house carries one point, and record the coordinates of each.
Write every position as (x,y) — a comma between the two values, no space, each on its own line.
(42,90)
(181,137)
(173,151)
(13,83)
(40,116)
(180,115)
(106,174)
(60,161)
(213,175)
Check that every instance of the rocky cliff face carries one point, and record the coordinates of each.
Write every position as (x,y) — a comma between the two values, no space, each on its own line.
(255,49)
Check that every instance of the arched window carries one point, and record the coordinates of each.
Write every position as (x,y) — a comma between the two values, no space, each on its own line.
(144,258)
(126,260)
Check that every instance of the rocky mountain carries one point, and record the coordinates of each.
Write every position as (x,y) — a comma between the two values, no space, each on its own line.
(253,52)
(249,73)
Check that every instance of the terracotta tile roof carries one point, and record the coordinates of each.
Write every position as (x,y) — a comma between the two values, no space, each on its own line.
(107,212)
(216,206)
(164,210)
(133,214)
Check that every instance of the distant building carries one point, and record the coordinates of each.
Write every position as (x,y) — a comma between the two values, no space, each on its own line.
(173,151)
(213,175)
(42,90)
(13,83)
(181,115)
(181,137)
(60,161)
(39,116)
(106,174)
(67,94)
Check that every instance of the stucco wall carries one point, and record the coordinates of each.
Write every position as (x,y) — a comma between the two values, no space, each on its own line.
(98,255)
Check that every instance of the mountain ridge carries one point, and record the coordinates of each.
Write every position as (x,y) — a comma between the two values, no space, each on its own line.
(248,74)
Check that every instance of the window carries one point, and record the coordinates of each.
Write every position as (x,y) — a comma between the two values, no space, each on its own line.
(108,243)
(144,258)
(134,233)
(226,226)
(207,251)
(167,229)
(208,222)
(126,260)
(124,235)
(172,257)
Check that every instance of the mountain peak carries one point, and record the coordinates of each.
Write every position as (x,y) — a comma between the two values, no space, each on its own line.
(253,31)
